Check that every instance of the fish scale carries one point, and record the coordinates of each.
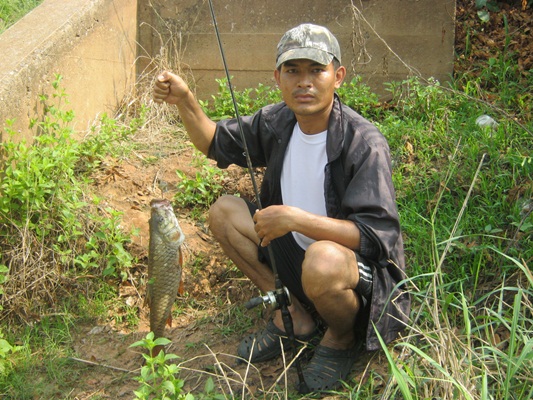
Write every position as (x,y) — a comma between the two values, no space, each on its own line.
(164,264)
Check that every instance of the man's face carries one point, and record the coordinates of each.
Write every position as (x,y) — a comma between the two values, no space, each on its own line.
(307,87)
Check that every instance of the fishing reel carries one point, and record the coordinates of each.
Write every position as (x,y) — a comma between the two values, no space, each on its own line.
(275,298)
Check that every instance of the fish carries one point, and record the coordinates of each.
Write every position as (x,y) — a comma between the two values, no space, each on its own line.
(165,262)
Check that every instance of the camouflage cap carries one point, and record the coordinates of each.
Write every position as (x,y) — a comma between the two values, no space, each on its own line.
(308,41)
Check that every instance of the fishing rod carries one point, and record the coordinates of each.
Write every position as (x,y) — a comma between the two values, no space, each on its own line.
(279,298)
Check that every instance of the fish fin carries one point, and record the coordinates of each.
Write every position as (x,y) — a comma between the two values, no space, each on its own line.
(156,350)
(146,302)
(181,289)
(148,297)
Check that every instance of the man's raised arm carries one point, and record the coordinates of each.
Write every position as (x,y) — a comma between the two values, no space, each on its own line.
(172,89)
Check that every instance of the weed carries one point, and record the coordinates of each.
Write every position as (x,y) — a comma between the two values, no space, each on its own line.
(46,342)
(248,100)
(201,190)
(108,242)
(158,377)
(485,7)
(103,137)
(359,96)
(234,319)
(48,227)
(7,353)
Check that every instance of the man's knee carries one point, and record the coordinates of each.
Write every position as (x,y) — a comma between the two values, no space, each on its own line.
(325,268)
(223,211)
(321,258)
(218,213)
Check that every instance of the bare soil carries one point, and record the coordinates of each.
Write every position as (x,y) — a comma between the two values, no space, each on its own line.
(206,329)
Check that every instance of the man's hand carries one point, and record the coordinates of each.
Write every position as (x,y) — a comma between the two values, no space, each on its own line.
(170,88)
(273,222)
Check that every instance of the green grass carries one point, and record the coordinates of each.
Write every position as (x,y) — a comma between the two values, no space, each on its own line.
(464,196)
(13,10)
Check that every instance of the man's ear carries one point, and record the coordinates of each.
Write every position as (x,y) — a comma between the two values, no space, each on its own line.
(340,74)
(276,75)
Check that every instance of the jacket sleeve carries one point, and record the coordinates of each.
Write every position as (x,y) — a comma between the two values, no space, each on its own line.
(370,199)
(227,146)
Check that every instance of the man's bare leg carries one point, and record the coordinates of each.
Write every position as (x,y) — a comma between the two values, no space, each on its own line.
(232,225)
(329,276)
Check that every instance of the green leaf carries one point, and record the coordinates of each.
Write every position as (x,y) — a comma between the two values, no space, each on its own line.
(169,387)
(483,15)
(209,385)
(161,341)
(138,343)
(401,378)
(170,357)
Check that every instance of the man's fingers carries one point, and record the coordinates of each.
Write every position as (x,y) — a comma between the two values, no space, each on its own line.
(161,87)
(165,76)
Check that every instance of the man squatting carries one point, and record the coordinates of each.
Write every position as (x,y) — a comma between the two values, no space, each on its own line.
(329,209)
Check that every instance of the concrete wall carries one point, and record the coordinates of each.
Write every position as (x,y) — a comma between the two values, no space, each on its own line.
(378,38)
(91,43)
(101,47)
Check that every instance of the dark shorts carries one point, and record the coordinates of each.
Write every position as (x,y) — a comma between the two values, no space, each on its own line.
(289,257)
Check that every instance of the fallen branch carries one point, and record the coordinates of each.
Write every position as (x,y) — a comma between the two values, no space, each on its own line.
(101,365)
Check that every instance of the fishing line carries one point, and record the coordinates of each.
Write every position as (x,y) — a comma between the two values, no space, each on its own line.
(280,297)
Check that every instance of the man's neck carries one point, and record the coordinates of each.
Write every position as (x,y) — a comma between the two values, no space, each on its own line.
(315,123)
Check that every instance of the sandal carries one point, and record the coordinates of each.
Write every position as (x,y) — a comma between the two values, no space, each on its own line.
(327,368)
(266,343)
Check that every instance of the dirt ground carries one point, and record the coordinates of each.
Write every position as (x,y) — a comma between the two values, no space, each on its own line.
(204,333)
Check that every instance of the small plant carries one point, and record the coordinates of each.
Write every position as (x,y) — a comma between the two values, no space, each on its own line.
(201,190)
(359,96)
(158,377)
(248,100)
(107,243)
(103,138)
(7,351)
(485,7)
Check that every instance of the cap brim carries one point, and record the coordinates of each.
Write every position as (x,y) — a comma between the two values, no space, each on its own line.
(320,56)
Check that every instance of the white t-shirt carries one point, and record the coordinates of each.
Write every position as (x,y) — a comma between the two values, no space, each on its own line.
(302,176)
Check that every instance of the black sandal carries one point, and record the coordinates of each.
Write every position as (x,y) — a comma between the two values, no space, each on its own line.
(327,368)
(266,343)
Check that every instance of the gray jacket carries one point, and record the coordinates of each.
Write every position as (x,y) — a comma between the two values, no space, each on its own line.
(357,187)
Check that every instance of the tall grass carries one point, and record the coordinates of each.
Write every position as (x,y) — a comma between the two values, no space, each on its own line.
(465,197)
